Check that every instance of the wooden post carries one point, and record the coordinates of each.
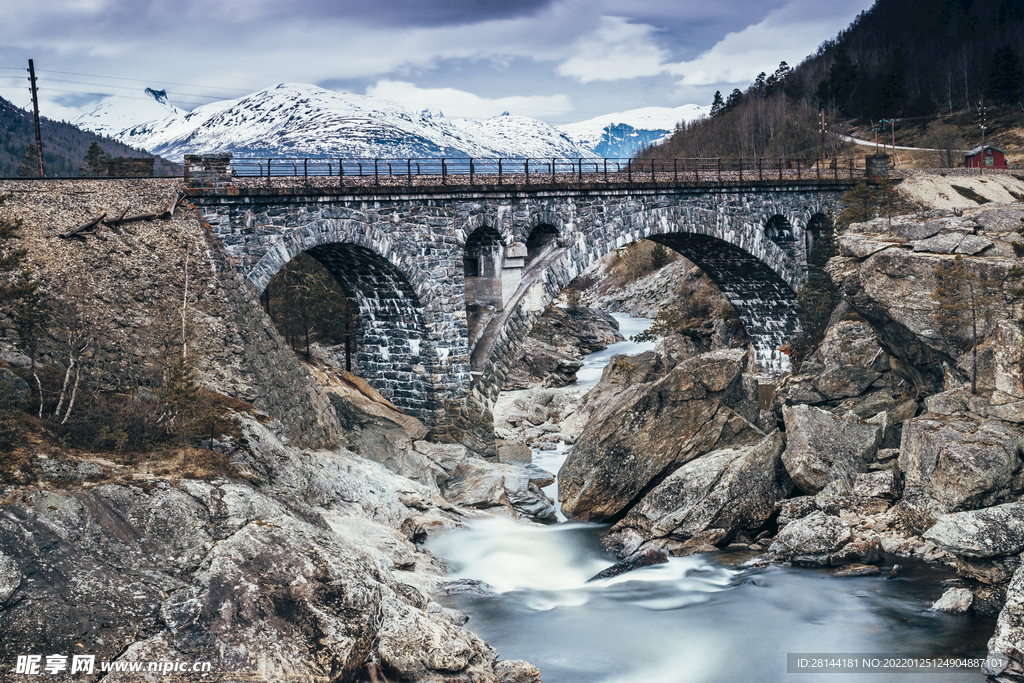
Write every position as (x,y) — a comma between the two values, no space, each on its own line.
(471,170)
(268,172)
(629,170)
(444,172)
(376,174)
(499,170)
(552,170)
(675,170)
(798,169)
(35,112)
(305,168)
(652,171)
(719,169)
(527,170)
(606,169)
(408,170)
(780,169)
(741,169)
(760,174)
(580,175)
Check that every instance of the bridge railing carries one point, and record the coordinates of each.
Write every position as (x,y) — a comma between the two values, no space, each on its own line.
(411,171)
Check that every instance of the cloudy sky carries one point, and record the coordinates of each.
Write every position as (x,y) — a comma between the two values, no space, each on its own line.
(557,60)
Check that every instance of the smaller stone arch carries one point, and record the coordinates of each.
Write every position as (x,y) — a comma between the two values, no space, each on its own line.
(539,241)
(780,230)
(816,224)
(482,261)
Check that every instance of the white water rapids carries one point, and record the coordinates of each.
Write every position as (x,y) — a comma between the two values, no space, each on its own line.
(694,620)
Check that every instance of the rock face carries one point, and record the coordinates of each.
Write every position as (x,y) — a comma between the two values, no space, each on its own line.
(726,490)
(989,532)
(822,447)
(1006,648)
(308,573)
(956,464)
(650,431)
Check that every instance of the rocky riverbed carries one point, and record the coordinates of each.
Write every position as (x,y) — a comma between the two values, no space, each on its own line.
(875,446)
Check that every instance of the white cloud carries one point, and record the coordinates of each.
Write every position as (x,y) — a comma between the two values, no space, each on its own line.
(617,50)
(459,103)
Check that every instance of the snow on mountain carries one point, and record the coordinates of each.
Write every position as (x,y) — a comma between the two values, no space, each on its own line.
(115,114)
(622,134)
(300,120)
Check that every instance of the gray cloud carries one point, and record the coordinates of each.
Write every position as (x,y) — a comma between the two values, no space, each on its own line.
(594,55)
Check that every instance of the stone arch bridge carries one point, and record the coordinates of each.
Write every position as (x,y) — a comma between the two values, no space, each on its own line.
(450,280)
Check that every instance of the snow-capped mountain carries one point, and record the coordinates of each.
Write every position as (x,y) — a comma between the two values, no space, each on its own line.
(622,134)
(294,119)
(113,115)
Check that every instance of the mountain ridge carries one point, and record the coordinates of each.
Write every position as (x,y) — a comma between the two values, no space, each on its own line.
(294,119)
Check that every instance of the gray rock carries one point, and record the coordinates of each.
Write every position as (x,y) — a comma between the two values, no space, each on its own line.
(822,447)
(10,577)
(13,389)
(650,430)
(989,532)
(516,671)
(811,539)
(854,570)
(513,452)
(973,244)
(954,601)
(860,246)
(959,464)
(946,243)
(1009,361)
(1006,647)
(795,508)
(728,490)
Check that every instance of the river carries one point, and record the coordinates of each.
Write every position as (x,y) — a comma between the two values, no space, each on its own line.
(698,619)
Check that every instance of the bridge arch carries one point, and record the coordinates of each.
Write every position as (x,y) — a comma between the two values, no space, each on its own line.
(398,350)
(758,275)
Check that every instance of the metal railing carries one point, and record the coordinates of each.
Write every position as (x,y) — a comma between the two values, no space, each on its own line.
(419,172)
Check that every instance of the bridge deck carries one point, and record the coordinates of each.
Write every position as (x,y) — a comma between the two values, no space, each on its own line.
(433,186)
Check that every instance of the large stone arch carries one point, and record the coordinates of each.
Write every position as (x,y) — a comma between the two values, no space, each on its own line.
(405,347)
(758,276)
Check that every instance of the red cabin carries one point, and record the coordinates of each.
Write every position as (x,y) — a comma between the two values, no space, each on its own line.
(986,157)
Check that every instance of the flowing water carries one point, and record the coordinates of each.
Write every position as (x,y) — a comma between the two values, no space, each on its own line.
(695,619)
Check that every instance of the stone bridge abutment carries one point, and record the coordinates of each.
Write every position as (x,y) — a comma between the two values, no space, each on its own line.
(449,283)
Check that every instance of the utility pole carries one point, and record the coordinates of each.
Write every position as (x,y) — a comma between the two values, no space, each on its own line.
(981,112)
(823,135)
(35,111)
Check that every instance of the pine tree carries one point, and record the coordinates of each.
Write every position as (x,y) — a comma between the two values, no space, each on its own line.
(29,163)
(718,104)
(1006,78)
(660,256)
(964,298)
(95,161)
(735,99)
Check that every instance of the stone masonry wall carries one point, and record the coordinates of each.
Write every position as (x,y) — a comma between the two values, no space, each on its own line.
(128,284)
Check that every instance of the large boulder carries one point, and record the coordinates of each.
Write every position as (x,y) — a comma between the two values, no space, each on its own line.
(811,539)
(1006,647)
(731,490)
(952,464)
(989,532)
(476,483)
(822,447)
(653,429)
(849,359)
